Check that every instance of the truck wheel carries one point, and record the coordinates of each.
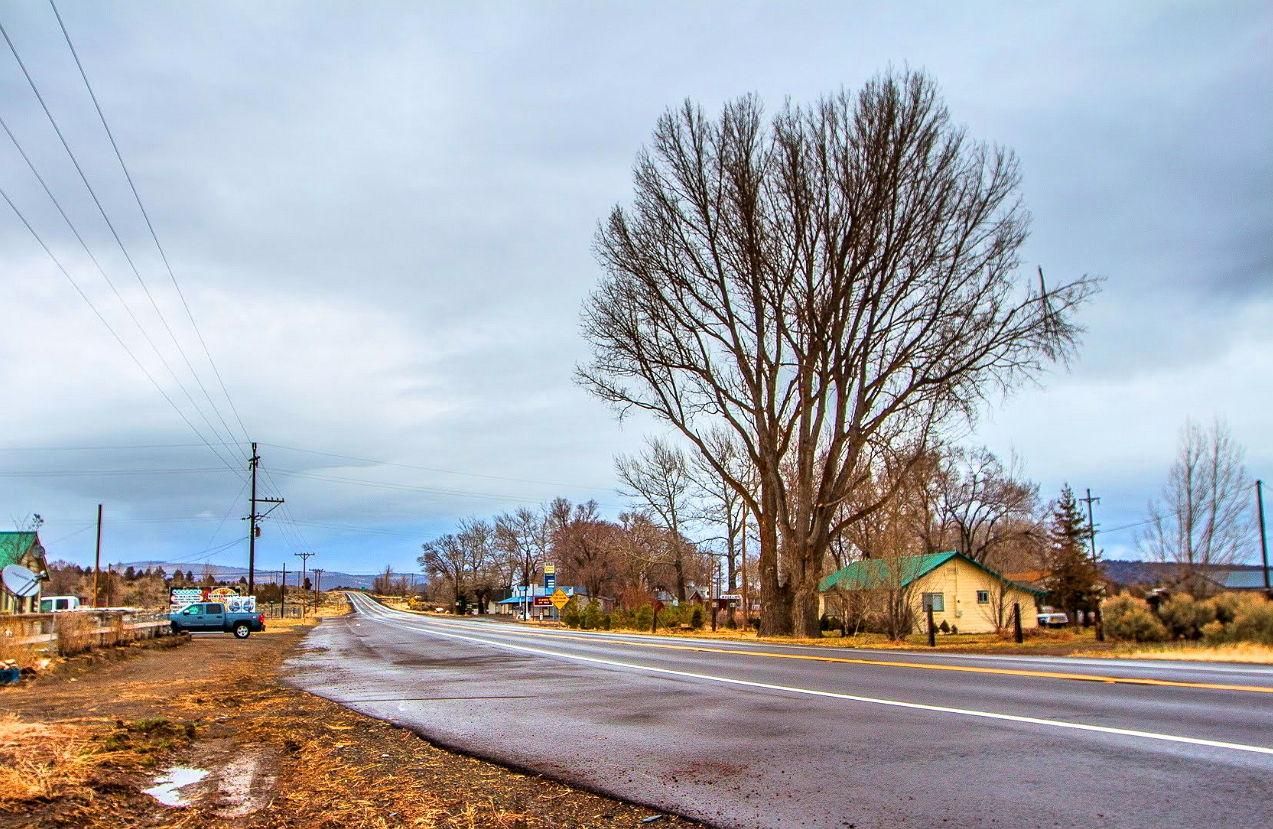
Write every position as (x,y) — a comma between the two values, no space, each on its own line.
(242,631)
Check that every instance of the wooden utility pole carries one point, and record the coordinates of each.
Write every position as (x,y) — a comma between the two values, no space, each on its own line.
(318,586)
(1264,545)
(1091,534)
(282,594)
(304,557)
(253,518)
(97,561)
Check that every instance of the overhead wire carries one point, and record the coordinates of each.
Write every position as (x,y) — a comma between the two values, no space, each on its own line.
(163,255)
(111,226)
(110,282)
(79,290)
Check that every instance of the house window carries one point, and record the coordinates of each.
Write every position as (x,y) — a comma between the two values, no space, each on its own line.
(983,597)
(935,602)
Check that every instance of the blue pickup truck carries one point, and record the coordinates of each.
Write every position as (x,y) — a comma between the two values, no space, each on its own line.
(213,616)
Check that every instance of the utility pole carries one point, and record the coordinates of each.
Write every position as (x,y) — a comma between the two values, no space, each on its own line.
(253,517)
(304,557)
(1091,534)
(282,594)
(1264,544)
(97,561)
(1091,527)
(318,584)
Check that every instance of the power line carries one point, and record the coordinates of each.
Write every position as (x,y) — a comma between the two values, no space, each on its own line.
(109,224)
(109,328)
(436,469)
(110,282)
(163,255)
(82,473)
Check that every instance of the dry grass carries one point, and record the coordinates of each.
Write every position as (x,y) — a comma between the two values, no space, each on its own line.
(102,738)
(26,656)
(75,632)
(1244,652)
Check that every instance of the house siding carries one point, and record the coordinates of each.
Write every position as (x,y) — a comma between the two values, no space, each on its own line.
(958,582)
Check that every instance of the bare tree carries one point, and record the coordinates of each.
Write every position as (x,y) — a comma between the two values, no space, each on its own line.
(827,285)
(720,505)
(463,560)
(523,538)
(984,505)
(586,545)
(1201,520)
(660,478)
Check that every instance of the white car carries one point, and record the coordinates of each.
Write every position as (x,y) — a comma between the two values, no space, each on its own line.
(59,604)
(1051,618)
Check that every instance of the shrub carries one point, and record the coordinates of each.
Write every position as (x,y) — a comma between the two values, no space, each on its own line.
(1131,619)
(1213,633)
(944,627)
(1226,606)
(590,617)
(1253,622)
(606,621)
(643,617)
(697,616)
(570,615)
(75,632)
(1185,617)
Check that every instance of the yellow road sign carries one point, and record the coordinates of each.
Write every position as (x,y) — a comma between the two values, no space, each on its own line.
(560,599)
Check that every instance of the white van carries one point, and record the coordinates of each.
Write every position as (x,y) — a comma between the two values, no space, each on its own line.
(59,604)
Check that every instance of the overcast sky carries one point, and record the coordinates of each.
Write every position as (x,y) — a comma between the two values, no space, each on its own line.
(382,216)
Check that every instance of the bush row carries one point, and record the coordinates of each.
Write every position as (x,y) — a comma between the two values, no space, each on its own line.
(1228,617)
(590,616)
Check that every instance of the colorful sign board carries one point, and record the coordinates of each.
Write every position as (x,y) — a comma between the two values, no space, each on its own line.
(559,599)
(543,601)
(179,597)
(550,577)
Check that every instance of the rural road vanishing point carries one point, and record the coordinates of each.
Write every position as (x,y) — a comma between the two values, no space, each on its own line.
(751,735)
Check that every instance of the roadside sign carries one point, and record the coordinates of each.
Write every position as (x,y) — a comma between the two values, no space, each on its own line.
(550,577)
(543,601)
(184,596)
(560,599)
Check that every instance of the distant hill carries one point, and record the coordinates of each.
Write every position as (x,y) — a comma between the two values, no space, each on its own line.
(331,578)
(1150,573)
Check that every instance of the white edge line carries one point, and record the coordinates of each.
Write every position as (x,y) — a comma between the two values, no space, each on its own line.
(742,646)
(918,706)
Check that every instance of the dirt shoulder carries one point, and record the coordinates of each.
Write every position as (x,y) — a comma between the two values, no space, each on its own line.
(81,746)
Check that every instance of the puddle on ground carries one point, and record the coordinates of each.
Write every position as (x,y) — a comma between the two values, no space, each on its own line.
(168,786)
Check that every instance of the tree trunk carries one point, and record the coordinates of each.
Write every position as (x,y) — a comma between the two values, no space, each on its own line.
(775,597)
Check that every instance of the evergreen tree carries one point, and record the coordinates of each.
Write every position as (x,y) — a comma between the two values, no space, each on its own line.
(1073,578)
(130,573)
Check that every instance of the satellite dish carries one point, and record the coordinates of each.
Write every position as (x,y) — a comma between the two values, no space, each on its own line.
(21,581)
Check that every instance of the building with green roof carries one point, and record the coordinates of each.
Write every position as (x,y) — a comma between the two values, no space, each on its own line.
(965,594)
(24,549)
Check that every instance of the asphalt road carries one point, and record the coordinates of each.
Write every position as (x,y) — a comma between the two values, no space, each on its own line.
(753,735)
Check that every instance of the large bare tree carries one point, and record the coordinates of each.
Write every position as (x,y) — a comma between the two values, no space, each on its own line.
(1202,518)
(825,284)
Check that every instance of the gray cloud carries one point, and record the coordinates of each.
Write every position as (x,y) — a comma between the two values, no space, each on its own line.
(383,217)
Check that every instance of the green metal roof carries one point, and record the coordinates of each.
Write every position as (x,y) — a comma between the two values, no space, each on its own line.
(14,545)
(873,573)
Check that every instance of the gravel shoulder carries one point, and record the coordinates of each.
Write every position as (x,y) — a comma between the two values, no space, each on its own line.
(211,717)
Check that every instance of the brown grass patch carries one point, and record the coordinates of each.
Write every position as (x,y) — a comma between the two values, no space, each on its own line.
(1249,653)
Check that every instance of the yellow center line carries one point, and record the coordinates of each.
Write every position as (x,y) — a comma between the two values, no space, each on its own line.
(886,663)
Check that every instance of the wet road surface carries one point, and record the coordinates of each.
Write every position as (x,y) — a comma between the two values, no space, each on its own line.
(754,734)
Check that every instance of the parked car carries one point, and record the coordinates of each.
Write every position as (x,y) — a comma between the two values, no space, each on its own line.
(59,604)
(213,616)
(1052,618)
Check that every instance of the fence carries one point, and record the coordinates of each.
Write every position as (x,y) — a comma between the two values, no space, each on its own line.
(82,629)
(294,610)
